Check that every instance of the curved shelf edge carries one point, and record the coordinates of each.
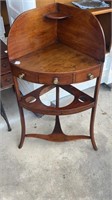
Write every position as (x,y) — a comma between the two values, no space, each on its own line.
(56,16)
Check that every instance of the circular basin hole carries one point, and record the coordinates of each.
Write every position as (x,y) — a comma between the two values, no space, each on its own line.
(49,99)
(30,99)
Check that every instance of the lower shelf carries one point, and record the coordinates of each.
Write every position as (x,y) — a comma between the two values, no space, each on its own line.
(80,102)
(57,135)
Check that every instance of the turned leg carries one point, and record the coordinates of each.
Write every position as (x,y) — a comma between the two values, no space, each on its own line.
(93,112)
(18,95)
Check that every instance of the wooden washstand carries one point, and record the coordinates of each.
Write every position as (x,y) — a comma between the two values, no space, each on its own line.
(57,45)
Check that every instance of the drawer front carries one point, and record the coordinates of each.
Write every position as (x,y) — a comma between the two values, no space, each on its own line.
(25,75)
(6,80)
(5,66)
(87,75)
(60,79)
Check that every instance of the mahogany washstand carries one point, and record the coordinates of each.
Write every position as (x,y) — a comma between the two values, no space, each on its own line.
(56,45)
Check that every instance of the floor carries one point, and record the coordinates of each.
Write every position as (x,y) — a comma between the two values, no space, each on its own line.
(44,170)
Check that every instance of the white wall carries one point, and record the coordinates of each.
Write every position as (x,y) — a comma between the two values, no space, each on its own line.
(16,7)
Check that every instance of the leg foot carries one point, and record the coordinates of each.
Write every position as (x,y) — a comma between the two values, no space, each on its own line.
(94,145)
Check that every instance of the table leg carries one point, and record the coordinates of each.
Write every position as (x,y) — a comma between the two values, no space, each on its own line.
(3,114)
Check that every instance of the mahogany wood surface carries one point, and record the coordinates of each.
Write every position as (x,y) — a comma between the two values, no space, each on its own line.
(5,70)
(104,15)
(57,134)
(107,28)
(79,36)
(5,78)
(80,103)
(57,46)
(36,32)
(44,65)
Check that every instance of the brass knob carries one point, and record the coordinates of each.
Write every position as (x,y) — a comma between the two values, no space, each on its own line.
(55,81)
(21,76)
(90,76)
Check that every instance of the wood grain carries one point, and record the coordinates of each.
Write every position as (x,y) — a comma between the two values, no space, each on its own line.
(57,60)
(31,32)
(38,32)
(57,52)
(84,35)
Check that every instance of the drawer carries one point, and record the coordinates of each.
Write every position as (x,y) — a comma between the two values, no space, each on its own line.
(5,66)
(57,79)
(6,80)
(25,75)
(87,75)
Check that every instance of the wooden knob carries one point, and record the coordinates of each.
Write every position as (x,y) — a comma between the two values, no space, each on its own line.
(55,81)
(21,76)
(90,76)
